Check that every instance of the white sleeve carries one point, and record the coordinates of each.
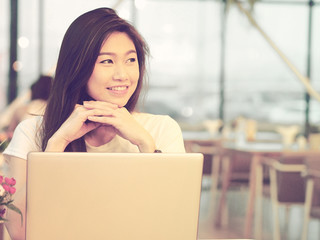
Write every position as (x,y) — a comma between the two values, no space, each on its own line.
(170,138)
(24,139)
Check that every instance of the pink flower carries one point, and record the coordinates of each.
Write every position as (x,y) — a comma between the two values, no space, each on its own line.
(6,187)
(13,182)
(12,190)
(9,189)
(10,181)
(6,192)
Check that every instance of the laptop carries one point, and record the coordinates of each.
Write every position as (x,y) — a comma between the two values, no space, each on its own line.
(114,196)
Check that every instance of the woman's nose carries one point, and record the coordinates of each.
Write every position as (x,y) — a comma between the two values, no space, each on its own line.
(120,73)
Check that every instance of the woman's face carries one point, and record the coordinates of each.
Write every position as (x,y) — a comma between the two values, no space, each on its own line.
(115,75)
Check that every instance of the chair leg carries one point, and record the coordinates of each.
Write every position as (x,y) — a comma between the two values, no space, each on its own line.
(255,161)
(215,171)
(287,218)
(307,208)
(258,205)
(275,204)
(226,172)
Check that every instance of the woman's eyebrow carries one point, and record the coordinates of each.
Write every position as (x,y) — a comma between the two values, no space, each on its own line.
(114,54)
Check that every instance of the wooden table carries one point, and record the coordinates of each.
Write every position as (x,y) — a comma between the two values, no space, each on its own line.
(265,145)
(219,148)
(255,151)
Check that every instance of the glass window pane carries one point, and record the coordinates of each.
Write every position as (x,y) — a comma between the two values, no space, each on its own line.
(259,84)
(184,38)
(28,44)
(185,43)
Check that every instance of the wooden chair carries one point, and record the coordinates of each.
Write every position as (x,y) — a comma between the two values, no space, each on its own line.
(235,174)
(287,186)
(312,203)
(210,150)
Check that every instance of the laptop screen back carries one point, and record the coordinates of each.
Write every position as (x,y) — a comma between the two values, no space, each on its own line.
(113,196)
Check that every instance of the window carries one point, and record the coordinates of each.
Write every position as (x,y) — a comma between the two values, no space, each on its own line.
(185,43)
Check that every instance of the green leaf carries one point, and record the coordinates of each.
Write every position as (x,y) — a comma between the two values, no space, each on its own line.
(17,210)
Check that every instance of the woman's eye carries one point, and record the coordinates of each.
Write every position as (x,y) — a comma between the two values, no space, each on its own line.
(108,61)
(131,60)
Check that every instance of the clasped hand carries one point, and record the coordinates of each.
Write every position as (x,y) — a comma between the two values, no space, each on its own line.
(103,113)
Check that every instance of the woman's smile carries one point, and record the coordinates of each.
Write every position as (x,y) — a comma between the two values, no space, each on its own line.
(118,90)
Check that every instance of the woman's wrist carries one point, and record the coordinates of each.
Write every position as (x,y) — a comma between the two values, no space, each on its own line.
(56,144)
(147,148)
(147,145)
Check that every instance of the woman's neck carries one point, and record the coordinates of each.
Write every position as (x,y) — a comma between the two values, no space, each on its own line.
(100,135)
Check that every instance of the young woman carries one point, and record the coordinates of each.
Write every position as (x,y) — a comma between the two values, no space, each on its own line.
(92,106)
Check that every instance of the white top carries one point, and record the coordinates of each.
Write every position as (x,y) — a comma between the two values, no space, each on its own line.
(165,131)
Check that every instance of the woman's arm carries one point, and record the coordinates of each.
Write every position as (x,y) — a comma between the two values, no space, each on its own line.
(17,168)
(73,128)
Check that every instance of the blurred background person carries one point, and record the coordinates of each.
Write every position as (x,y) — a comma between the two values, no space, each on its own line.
(40,91)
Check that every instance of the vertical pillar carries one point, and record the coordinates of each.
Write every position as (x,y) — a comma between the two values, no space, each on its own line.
(134,13)
(309,61)
(40,36)
(12,85)
(222,60)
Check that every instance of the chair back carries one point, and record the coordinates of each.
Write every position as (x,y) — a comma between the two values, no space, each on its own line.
(291,185)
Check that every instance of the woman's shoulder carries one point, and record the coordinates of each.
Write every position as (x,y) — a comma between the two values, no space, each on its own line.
(28,128)
(32,122)
(165,131)
(25,138)
(154,118)
(154,121)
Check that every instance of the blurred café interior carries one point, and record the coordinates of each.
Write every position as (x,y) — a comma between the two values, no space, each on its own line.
(242,79)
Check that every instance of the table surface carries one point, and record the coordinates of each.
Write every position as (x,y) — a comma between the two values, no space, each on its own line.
(255,147)
(205,135)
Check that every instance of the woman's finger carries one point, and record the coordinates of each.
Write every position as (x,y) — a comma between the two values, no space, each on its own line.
(100,113)
(99,105)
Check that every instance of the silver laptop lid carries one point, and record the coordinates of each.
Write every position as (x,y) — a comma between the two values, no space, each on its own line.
(113,196)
